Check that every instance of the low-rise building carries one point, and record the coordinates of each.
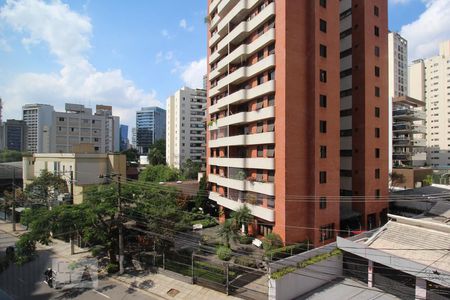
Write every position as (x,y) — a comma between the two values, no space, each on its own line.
(85,164)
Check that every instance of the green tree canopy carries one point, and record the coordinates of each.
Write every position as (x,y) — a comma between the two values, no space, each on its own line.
(158,173)
(131,154)
(46,187)
(190,169)
(157,153)
(10,155)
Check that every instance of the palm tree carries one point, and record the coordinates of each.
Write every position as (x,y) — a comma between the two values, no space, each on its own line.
(242,216)
(227,232)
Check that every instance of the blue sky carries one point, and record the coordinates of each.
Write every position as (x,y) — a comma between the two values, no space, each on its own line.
(132,53)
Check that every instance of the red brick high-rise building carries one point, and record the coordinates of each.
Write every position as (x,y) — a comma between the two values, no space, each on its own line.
(297,114)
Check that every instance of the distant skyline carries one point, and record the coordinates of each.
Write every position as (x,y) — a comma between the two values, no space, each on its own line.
(136,54)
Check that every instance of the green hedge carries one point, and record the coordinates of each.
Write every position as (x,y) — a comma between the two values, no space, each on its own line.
(208,222)
(224,253)
(287,251)
(245,240)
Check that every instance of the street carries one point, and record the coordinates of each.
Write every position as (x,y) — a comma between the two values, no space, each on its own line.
(27,281)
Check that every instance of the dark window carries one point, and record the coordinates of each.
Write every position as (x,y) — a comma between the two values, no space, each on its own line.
(260,55)
(323,126)
(377,152)
(377,112)
(327,232)
(272,75)
(377,173)
(259,103)
(346,93)
(271,49)
(323,101)
(376,11)
(261,79)
(346,53)
(323,76)
(271,176)
(377,91)
(260,151)
(271,151)
(377,71)
(271,99)
(323,50)
(346,112)
(323,25)
(346,153)
(377,51)
(377,194)
(323,151)
(346,73)
(270,126)
(376,31)
(259,127)
(323,3)
(61,119)
(322,177)
(377,132)
(323,202)
(346,173)
(346,132)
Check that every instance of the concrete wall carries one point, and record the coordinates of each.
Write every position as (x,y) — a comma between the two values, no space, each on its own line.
(413,177)
(307,279)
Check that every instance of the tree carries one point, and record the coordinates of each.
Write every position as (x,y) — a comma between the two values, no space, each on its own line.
(396,179)
(272,241)
(428,180)
(131,154)
(46,187)
(242,216)
(227,231)
(201,199)
(157,153)
(190,169)
(10,155)
(159,173)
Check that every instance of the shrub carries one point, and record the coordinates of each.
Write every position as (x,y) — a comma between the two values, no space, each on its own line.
(25,249)
(272,241)
(112,268)
(287,251)
(97,250)
(224,253)
(209,222)
(245,240)
(245,261)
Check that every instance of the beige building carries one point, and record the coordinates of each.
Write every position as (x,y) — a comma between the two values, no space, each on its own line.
(185,130)
(429,81)
(86,165)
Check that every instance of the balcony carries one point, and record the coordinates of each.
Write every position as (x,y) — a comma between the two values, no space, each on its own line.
(408,114)
(245,117)
(409,128)
(243,29)
(243,51)
(244,140)
(240,9)
(214,22)
(214,39)
(243,95)
(267,188)
(258,211)
(213,5)
(243,73)
(408,142)
(225,6)
(243,163)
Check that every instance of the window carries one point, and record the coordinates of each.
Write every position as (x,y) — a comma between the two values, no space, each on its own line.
(261,79)
(377,51)
(323,76)
(377,91)
(260,151)
(327,232)
(376,11)
(260,103)
(61,119)
(271,151)
(322,177)
(271,49)
(376,30)
(260,55)
(377,132)
(377,71)
(377,173)
(323,126)
(270,125)
(323,3)
(259,127)
(323,50)
(323,151)
(377,152)
(377,112)
(323,202)
(272,75)
(323,25)
(323,101)
(271,99)
(377,194)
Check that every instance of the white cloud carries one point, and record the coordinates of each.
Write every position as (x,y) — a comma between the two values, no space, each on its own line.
(192,74)
(67,35)
(165,33)
(431,28)
(183,24)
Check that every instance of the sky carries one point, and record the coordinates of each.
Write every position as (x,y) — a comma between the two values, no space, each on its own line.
(132,54)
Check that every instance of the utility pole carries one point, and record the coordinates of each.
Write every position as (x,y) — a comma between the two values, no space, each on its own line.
(71,186)
(119,217)
(72,234)
(14,201)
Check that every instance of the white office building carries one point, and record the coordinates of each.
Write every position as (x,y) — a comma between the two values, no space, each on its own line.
(185,129)
(39,119)
(429,81)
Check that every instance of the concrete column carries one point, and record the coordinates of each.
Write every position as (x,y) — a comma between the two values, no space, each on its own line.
(421,289)
(370,274)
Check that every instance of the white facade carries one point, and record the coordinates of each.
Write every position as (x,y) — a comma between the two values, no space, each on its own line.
(185,132)
(429,81)
(57,132)
(39,119)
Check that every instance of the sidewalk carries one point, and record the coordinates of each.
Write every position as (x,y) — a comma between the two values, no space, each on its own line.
(160,285)
(156,285)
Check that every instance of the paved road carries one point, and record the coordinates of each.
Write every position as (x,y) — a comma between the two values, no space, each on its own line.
(27,282)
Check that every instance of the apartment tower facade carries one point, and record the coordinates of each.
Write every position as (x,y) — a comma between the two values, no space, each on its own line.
(150,127)
(278,102)
(185,127)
